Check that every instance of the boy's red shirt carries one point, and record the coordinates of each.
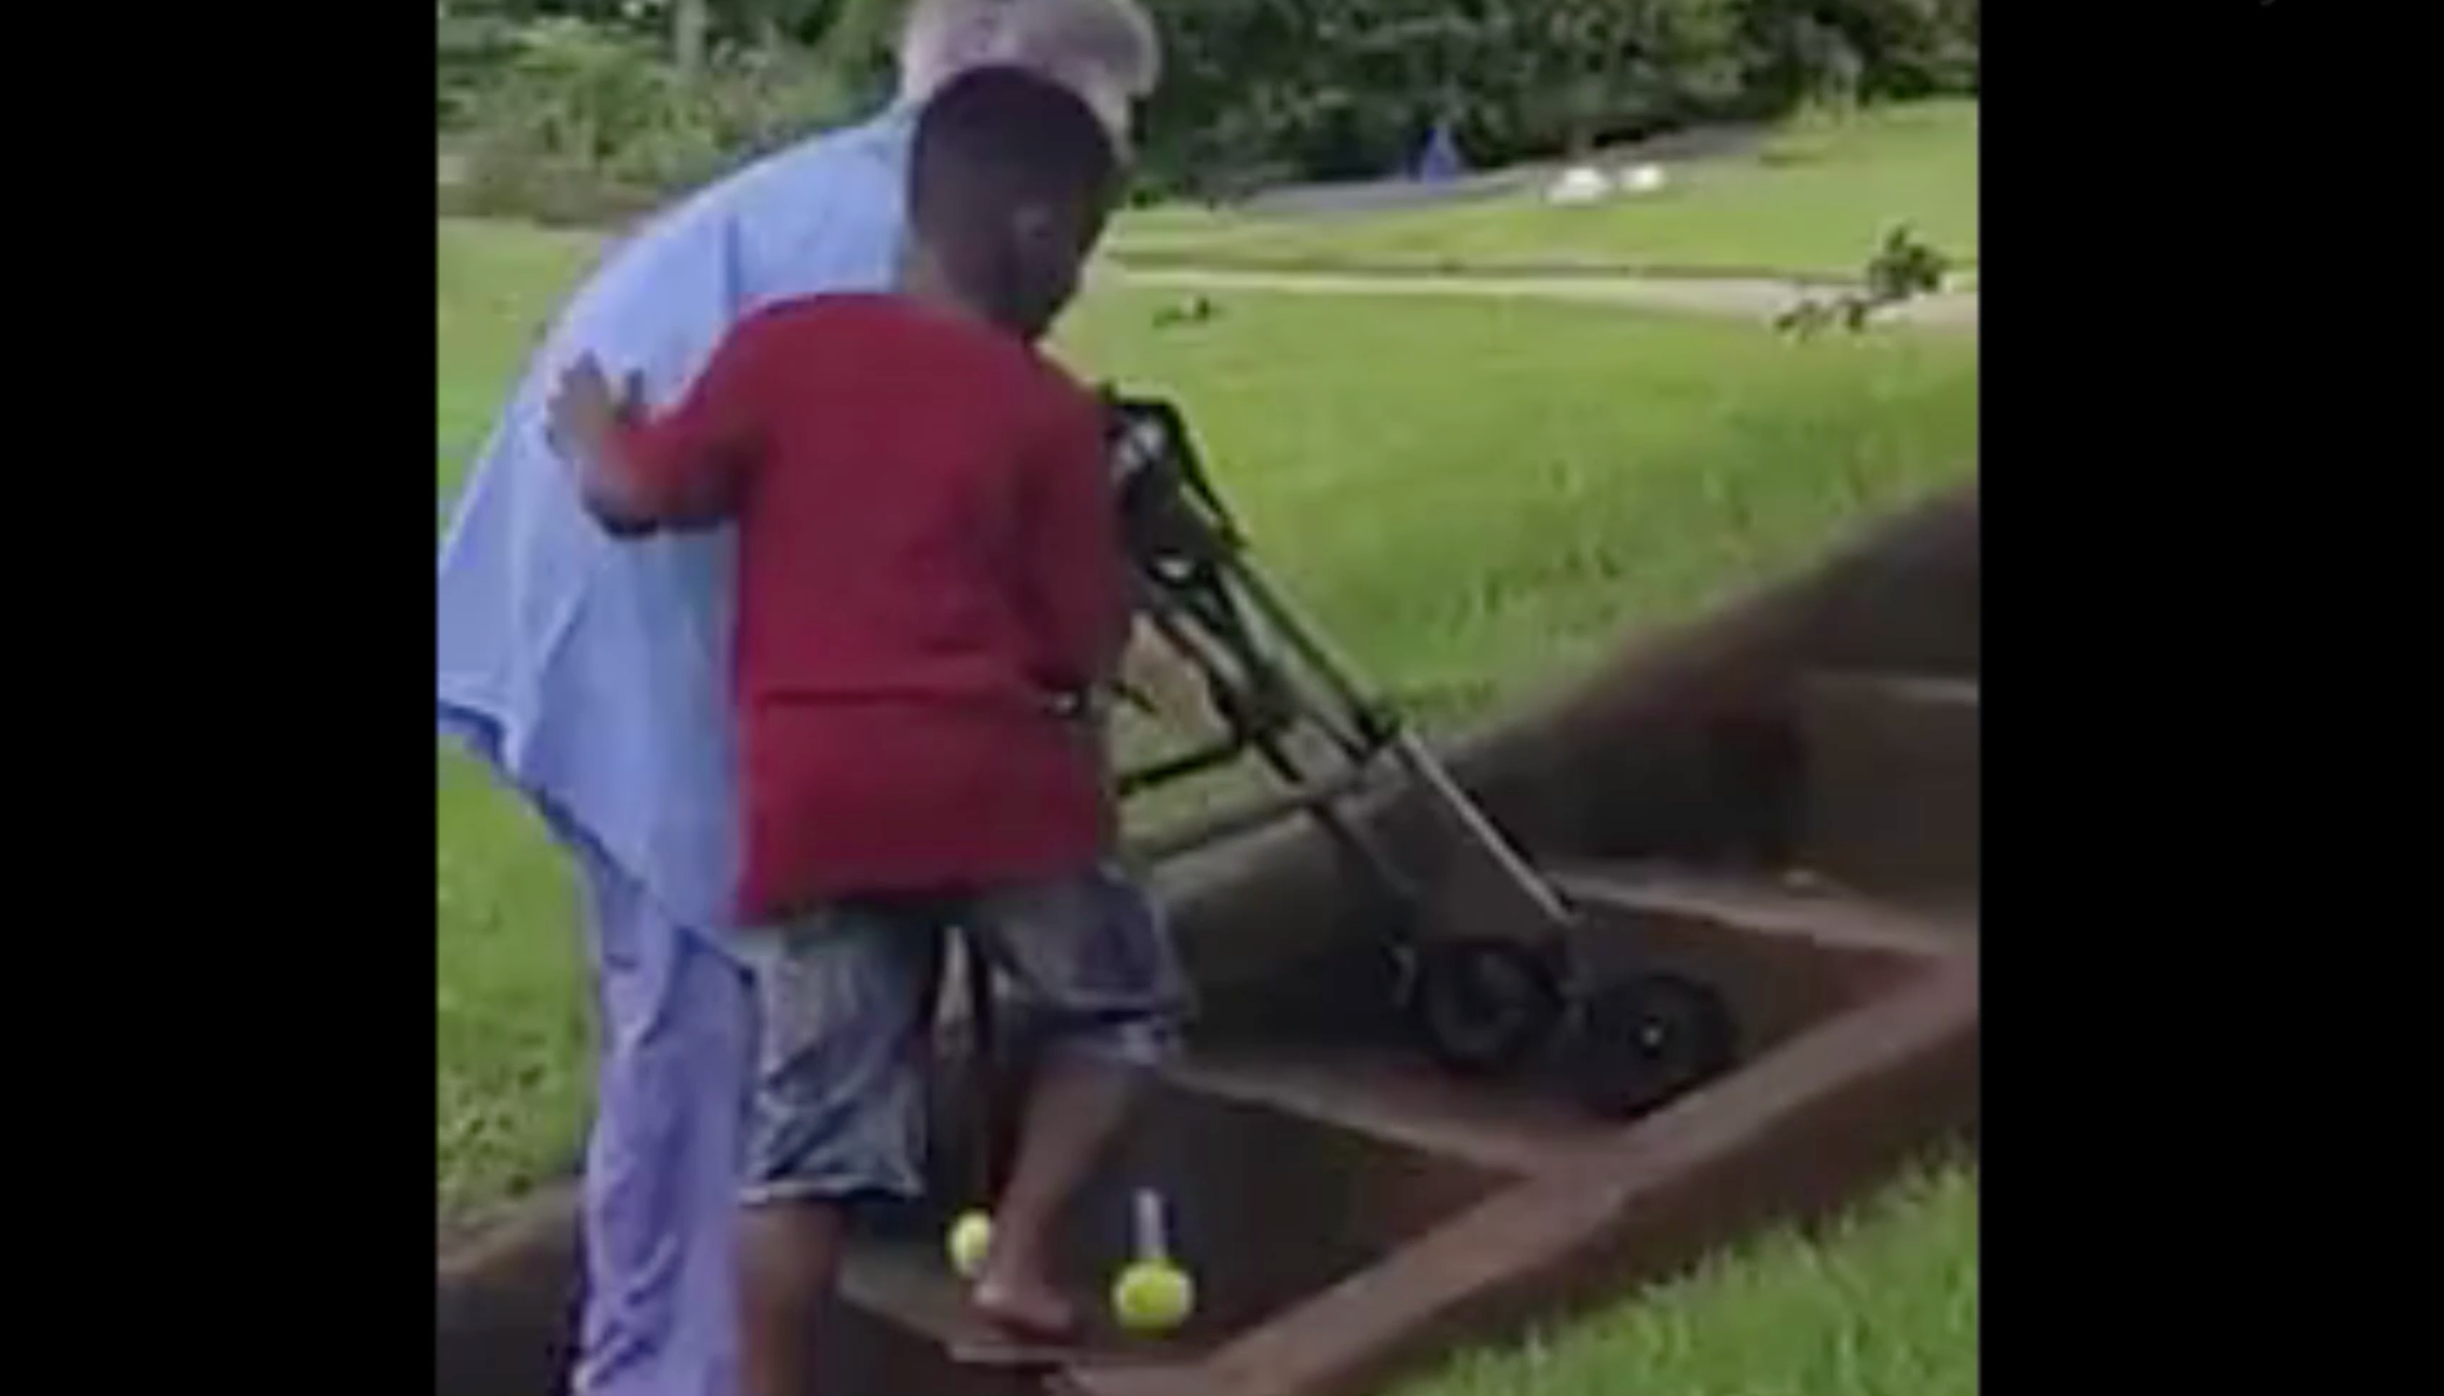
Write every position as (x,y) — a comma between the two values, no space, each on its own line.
(928,561)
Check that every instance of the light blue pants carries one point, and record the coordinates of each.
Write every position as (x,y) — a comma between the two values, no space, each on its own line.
(662,1164)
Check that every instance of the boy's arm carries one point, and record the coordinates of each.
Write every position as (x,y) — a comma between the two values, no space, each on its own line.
(639,472)
(1071,553)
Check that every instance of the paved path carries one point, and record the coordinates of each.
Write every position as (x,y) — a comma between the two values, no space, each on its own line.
(1740,297)
(1524,179)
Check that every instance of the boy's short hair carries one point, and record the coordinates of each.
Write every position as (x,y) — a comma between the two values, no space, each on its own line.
(996,139)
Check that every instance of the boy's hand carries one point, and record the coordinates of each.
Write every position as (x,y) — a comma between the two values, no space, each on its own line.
(584,414)
(584,424)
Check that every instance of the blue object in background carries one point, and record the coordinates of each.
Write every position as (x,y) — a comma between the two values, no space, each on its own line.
(1439,159)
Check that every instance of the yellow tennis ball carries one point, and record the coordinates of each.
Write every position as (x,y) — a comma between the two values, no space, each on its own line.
(1153,1296)
(970,1237)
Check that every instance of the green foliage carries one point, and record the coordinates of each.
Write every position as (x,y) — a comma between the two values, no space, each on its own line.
(736,20)
(469,52)
(556,97)
(1903,268)
(1350,88)
(1268,87)
(585,120)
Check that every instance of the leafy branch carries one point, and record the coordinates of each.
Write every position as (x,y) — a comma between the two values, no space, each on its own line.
(1903,268)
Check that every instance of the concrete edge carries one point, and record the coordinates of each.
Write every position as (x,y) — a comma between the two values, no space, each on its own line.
(1793,1136)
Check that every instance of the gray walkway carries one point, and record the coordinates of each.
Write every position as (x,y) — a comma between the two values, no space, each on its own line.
(1738,297)
(1343,198)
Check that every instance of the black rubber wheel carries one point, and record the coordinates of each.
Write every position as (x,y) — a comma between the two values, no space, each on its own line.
(1642,1042)
(1483,1006)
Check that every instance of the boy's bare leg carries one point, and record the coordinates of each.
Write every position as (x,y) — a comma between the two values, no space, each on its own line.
(789,1253)
(1077,1105)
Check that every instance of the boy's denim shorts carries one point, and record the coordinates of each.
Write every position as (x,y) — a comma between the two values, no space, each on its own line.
(845,999)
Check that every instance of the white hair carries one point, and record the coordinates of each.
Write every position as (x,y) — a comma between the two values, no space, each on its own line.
(1106,50)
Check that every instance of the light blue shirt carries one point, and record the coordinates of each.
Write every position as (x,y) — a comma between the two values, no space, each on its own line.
(594,674)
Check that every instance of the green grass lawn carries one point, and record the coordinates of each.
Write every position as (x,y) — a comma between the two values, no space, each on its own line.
(1473,496)
(1882,1304)
(1815,200)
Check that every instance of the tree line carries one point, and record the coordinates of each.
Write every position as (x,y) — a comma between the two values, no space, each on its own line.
(568,100)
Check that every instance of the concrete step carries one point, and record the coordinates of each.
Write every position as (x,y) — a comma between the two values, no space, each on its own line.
(1419,1120)
(1789,907)
(505,1306)
(1787,954)
(1891,807)
(1272,1190)
(901,1313)
(909,1287)
(1393,1093)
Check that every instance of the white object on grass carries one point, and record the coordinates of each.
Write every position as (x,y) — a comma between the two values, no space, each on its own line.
(1642,179)
(1579,184)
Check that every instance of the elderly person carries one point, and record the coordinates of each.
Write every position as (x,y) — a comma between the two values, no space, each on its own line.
(593,675)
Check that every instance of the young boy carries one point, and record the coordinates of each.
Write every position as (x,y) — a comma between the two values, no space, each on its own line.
(931,592)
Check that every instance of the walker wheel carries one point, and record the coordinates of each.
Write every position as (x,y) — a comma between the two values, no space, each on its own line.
(1484,1005)
(1644,1041)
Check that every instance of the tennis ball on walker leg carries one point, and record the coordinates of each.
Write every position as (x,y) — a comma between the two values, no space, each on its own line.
(971,1236)
(1152,1295)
